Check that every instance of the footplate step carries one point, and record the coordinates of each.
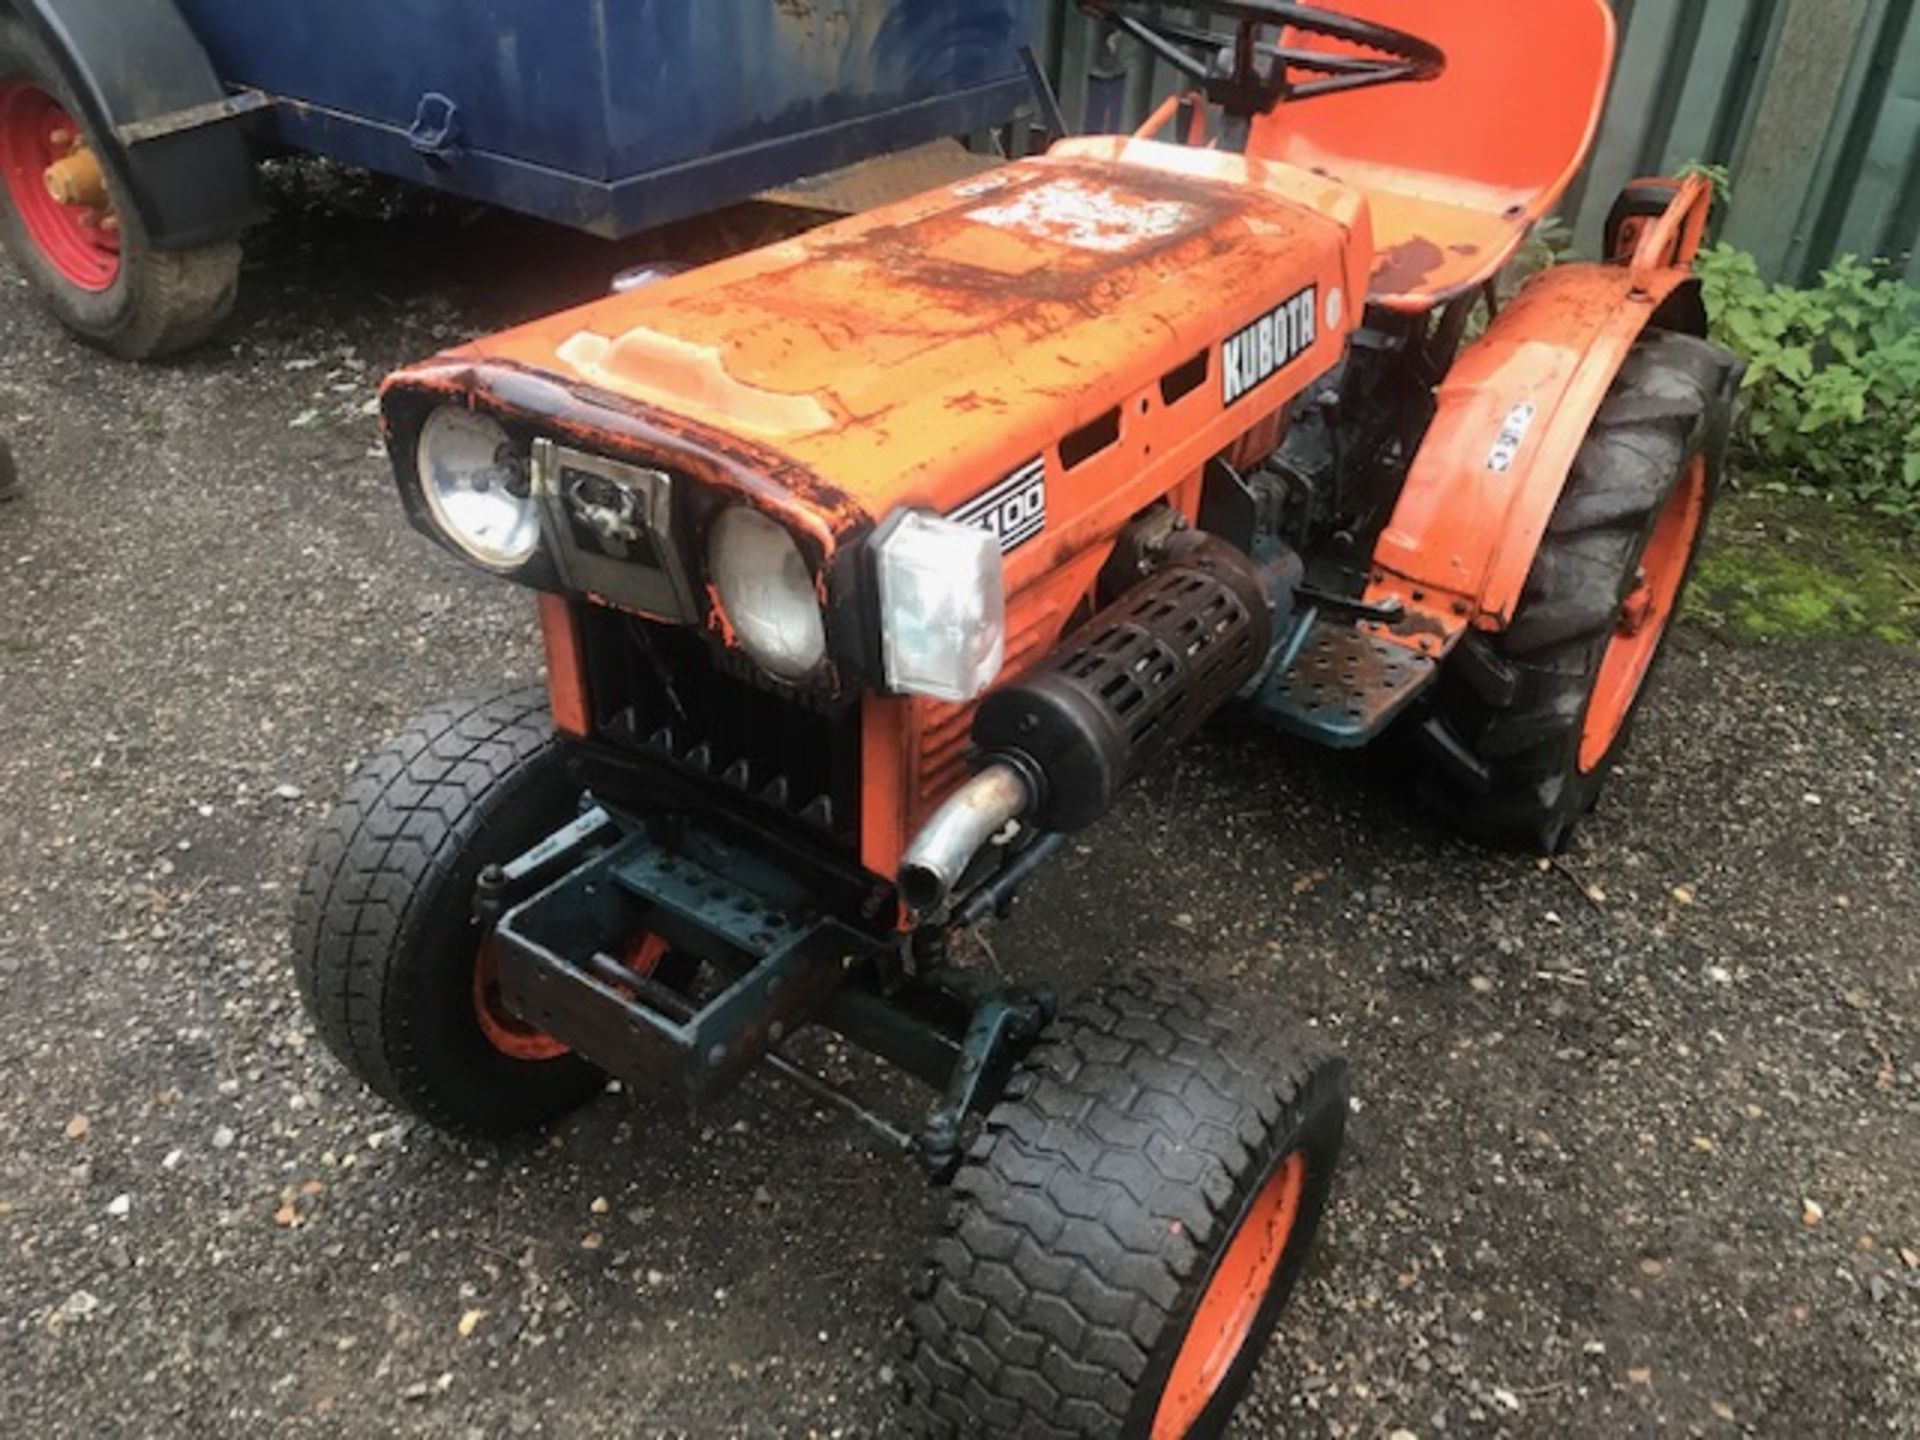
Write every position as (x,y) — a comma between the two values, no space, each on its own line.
(1344,687)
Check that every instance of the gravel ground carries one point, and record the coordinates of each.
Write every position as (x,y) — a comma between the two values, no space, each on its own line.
(1638,1133)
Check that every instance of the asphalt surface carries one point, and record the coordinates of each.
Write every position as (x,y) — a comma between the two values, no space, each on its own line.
(1638,1135)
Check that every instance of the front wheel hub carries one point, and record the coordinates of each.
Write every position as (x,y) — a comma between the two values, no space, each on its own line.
(58,187)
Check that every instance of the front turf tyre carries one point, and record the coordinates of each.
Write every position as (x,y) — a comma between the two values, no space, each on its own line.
(90,258)
(389,957)
(1128,1225)
(1529,720)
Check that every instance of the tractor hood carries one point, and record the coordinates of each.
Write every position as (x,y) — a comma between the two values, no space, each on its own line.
(923,354)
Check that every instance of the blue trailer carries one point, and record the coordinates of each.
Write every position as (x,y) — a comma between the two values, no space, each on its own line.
(129,128)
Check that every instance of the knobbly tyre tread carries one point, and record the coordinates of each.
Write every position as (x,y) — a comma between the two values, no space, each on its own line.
(1505,730)
(1090,1210)
(383,933)
(165,301)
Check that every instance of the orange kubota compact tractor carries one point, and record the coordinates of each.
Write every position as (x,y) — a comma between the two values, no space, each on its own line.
(873,563)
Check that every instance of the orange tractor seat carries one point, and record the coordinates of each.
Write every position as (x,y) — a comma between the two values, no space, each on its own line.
(1461,168)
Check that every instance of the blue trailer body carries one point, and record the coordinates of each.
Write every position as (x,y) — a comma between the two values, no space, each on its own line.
(613,115)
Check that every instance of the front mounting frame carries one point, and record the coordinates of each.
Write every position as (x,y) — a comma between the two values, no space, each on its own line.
(572,905)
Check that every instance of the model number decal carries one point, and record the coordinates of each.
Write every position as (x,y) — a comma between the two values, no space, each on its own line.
(1270,344)
(1513,434)
(1015,510)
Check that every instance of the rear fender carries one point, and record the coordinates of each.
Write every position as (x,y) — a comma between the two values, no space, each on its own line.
(135,63)
(1511,416)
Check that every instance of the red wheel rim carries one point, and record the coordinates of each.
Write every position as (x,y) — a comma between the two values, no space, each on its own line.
(81,242)
(1231,1304)
(1644,616)
(514,1037)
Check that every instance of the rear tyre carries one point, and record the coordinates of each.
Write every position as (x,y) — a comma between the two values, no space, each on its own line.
(389,957)
(93,265)
(1128,1226)
(1529,721)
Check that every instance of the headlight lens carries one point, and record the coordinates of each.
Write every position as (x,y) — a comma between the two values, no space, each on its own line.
(943,609)
(767,592)
(476,485)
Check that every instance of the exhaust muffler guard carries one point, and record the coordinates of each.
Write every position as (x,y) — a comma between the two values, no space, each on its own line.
(1135,680)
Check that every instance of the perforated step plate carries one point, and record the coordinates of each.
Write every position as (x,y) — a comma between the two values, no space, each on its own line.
(1344,687)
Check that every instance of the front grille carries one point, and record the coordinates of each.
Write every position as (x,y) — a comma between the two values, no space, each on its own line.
(665,693)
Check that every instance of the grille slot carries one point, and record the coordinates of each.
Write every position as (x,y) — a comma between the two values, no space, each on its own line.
(665,693)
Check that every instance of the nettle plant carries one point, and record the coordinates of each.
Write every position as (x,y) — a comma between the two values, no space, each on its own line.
(1832,402)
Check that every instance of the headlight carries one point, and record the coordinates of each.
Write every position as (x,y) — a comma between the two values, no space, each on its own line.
(477,488)
(943,608)
(767,592)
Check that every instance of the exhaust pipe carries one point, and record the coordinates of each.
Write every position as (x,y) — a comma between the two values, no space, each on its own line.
(1058,744)
(958,831)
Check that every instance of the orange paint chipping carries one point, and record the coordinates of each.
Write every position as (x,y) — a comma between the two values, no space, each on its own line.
(1043,294)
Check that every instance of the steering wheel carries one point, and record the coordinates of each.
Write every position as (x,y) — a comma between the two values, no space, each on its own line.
(1247,76)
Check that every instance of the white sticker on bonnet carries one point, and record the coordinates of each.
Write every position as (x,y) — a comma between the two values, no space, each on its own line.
(1087,217)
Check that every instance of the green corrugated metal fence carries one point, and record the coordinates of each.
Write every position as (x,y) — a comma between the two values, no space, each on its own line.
(1814,105)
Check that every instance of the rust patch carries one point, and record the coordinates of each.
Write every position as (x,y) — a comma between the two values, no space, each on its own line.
(1089,280)
(1406,265)
(1416,621)
(717,620)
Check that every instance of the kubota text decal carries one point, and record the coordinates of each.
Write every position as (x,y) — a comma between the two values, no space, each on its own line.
(1270,344)
(1015,509)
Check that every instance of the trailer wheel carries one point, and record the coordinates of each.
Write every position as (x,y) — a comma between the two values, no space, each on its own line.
(1127,1228)
(69,224)
(389,957)
(1530,720)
